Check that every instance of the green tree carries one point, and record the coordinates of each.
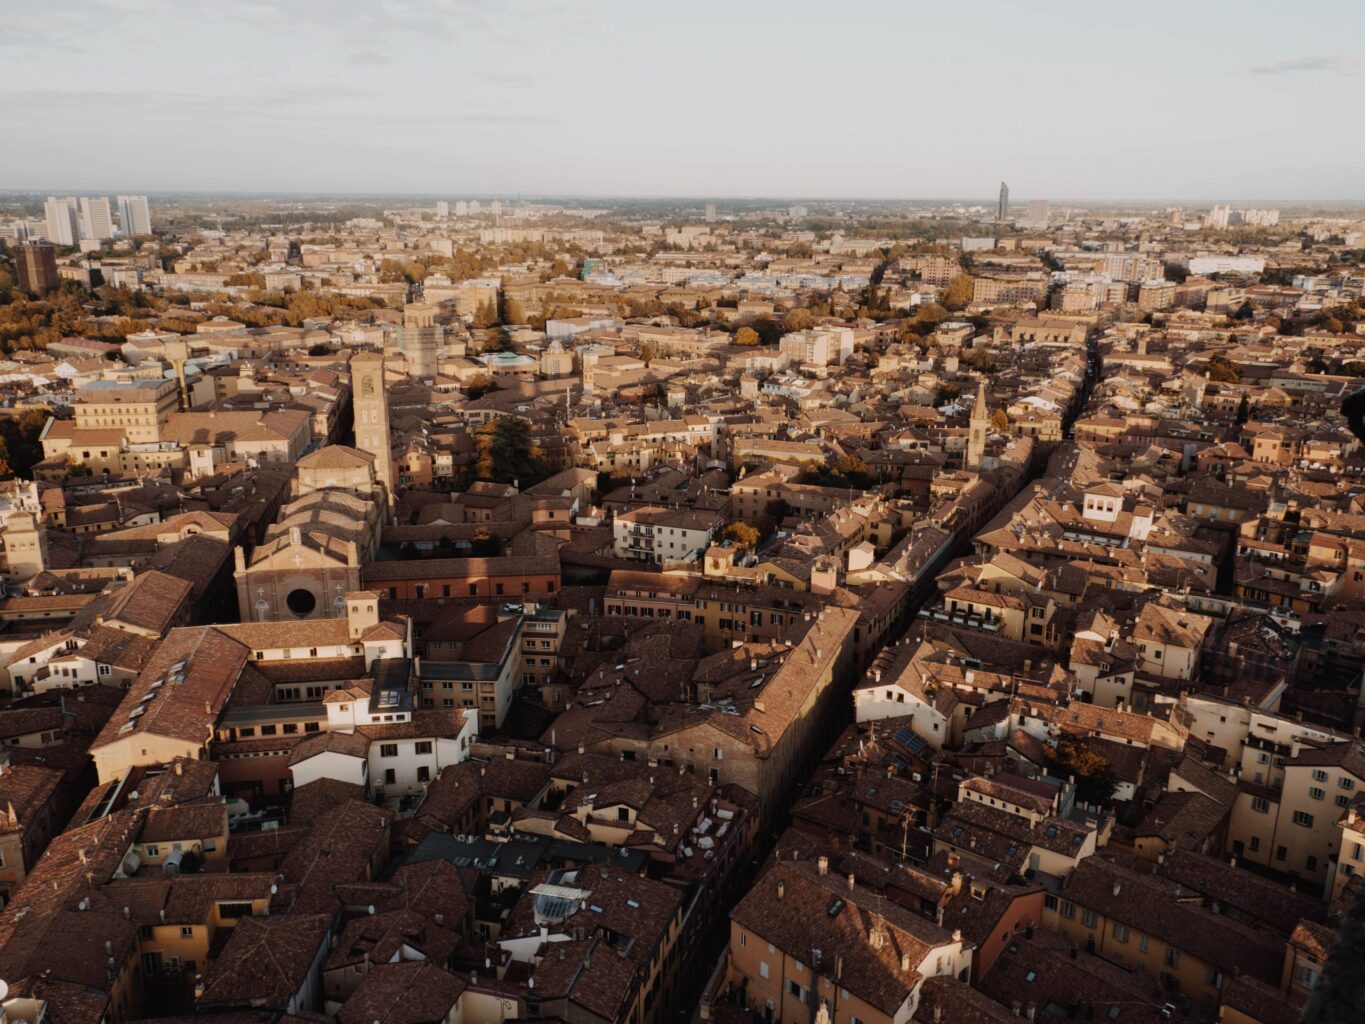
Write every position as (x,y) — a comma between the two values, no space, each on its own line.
(506,452)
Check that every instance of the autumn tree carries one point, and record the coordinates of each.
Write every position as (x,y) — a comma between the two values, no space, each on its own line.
(742,535)
(513,312)
(1000,420)
(1095,782)
(486,315)
(1223,370)
(746,336)
(958,293)
(797,319)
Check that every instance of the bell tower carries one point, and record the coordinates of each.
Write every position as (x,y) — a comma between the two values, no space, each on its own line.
(977,427)
(371,407)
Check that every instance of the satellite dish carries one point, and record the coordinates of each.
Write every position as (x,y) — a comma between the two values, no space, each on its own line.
(4,990)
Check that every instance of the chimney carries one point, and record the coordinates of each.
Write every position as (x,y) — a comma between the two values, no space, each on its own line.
(781,890)
(1029,1011)
(822,865)
(1117,886)
(957,882)
(905,962)
(852,881)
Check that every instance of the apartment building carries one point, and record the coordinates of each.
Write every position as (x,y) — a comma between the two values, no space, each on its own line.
(664,535)
(137,408)
(808,945)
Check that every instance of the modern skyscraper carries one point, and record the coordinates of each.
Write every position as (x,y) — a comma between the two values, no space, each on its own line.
(371,406)
(37,265)
(134,215)
(63,222)
(1002,207)
(96,219)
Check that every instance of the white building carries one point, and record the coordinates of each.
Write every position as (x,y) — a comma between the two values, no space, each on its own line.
(664,535)
(97,221)
(62,220)
(134,215)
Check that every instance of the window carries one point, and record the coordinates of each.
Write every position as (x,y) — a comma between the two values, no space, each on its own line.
(1089,918)
(1172,957)
(1346,782)
(1305,975)
(763,968)
(1213,978)
(153,851)
(1120,932)
(1260,805)
(796,990)
(229,911)
(423,773)
(390,776)
(1317,794)
(424,746)
(1319,775)
(1142,943)
(1281,853)
(1303,818)
(186,931)
(1050,902)
(1068,910)
(743,940)
(388,750)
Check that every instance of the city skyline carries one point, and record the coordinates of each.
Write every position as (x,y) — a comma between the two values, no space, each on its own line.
(549,99)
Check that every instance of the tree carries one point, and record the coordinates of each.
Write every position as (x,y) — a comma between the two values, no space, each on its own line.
(486,544)
(1223,370)
(742,535)
(1340,992)
(513,312)
(486,315)
(797,319)
(1095,783)
(746,336)
(958,293)
(1243,409)
(507,453)
(1000,419)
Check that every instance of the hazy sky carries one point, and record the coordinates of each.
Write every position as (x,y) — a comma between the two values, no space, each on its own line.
(1199,99)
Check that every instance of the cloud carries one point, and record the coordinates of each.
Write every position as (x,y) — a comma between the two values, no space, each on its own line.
(366,57)
(1319,64)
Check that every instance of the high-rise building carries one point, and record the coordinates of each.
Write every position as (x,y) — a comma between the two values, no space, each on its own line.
(442,209)
(461,208)
(371,407)
(1039,213)
(420,340)
(710,213)
(1002,206)
(134,215)
(63,222)
(495,207)
(97,221)
(37,264)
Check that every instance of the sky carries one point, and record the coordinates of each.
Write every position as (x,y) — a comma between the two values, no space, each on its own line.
(1197,100)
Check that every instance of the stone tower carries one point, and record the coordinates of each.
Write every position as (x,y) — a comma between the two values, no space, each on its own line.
(371,408)
(979,424)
